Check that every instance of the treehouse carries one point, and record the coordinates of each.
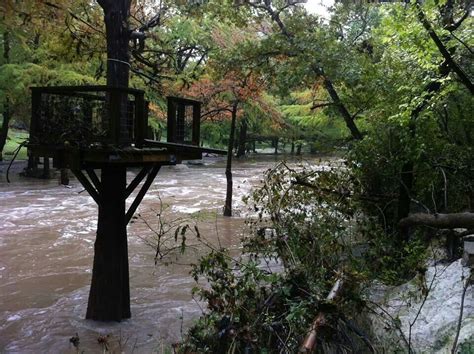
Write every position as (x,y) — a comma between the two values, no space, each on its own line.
(89,128)
(82,127)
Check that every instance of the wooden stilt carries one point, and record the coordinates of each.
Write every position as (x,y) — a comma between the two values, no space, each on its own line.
(136,181)
(141,194)
(87,185)
(94,179)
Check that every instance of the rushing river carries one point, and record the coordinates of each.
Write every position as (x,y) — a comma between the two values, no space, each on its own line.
(47,234)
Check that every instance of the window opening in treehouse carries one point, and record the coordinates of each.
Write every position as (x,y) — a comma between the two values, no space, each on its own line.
(184,123)
(127,116)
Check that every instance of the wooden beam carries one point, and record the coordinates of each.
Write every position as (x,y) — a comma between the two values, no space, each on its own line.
(85,88)
(136,181)
(141,194)
(94,179)
(87,185)
(184,147)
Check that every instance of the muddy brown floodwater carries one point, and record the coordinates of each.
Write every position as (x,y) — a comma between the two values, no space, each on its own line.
(47,236)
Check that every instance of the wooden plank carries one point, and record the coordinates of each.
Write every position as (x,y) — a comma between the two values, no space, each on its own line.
(136,181)
(141,193)
(87,185)
(184,147)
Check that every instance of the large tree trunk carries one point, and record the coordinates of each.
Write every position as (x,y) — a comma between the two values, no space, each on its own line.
(116,15)
(228,168)
(6,105)
(109,297)
(241,149)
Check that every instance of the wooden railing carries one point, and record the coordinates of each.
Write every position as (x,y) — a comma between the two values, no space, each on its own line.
(87,116)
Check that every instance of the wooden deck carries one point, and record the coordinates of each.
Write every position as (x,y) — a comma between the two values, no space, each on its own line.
(152,152)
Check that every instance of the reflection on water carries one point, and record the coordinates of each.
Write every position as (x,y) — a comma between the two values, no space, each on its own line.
(46,249)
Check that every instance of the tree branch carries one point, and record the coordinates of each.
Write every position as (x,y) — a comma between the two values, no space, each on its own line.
(443,50)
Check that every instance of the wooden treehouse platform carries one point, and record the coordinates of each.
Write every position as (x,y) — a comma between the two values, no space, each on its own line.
(82,127)
(89,128)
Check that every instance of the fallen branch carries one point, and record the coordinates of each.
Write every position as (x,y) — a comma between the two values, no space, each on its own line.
(439,221)
(320,320)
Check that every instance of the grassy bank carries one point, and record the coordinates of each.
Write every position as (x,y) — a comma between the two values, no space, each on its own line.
(15,138)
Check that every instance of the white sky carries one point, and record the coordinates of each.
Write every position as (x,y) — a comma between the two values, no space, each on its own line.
(319,6)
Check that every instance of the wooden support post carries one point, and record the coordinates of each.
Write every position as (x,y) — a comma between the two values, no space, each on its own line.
(46,171)
(109,297)
(196,123)
(94,179)
(171,128)
(64,179)
(133,207)
(136,181)
(87,185)
(141,194)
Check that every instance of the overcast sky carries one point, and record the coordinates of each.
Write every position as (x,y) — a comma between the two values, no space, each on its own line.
(319,6)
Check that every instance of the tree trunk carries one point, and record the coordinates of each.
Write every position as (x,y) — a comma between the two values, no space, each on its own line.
(407,175)
(348,119)
(64,178)
(439,221)
(405,188)
(6,105)
(4,128)
(275,142)
(116,15)
(242,138)
(298,149)
(228,168)
(292,147)
(445,52)
(46,170)
(109,297)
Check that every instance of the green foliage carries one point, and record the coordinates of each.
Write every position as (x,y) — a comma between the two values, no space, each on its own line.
(299,245)
(14,139)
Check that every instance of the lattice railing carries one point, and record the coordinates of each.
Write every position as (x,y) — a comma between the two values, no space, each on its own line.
(87,116)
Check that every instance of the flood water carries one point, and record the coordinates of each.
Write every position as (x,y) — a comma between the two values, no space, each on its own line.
(47,234)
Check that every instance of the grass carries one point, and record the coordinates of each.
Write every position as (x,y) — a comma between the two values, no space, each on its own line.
(14,139)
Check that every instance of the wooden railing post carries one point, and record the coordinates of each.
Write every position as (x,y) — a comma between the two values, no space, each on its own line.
(196,123)
(140,120)
(114,115)
(35,113)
